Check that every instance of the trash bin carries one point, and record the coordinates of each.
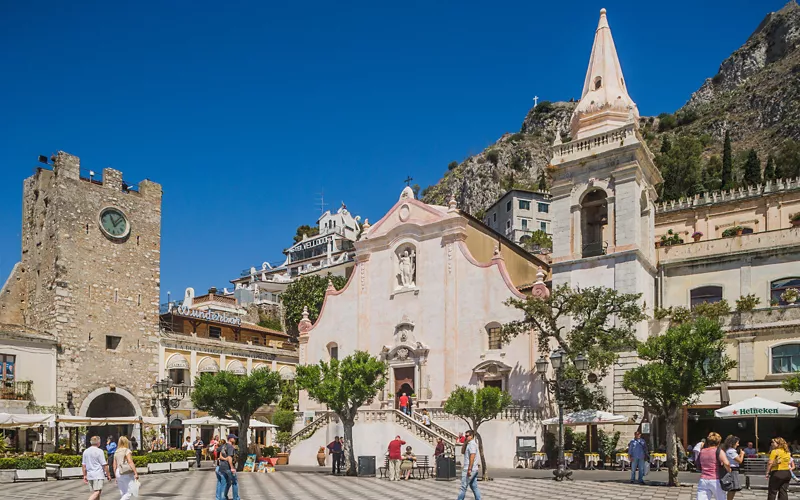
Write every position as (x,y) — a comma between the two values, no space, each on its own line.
(366,466)
(445,469)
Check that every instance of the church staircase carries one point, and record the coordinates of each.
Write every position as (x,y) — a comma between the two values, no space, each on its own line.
(428,434)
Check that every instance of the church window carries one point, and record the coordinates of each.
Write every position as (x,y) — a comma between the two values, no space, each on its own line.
(524,205)
(333,350)
(598,83)
(786,358)
(705,294)
(495,337)
(778,287)
(594,219)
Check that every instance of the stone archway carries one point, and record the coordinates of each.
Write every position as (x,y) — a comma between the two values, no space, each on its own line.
(110,404)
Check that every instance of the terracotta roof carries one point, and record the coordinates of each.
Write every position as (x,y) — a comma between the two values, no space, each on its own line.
(253,326)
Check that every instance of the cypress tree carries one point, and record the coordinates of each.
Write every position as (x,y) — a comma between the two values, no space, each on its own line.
(752,169)
(542,182)
(769,170)
(666,145)
(727,163)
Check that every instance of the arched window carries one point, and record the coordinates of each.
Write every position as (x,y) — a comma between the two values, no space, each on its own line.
(333,350)
(777,288)
(709,294)
(594,218)
(494,334)
(786,358)
(598,82)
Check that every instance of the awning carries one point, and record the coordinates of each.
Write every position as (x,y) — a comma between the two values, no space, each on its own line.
(215,422)
(208,365)
(237,368)
(756,407)
(589,417)
(26,420)
(177,362)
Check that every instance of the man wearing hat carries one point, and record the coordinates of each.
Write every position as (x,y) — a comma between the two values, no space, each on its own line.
(227,472)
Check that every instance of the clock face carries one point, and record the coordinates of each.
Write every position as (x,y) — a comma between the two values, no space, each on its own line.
(114,223)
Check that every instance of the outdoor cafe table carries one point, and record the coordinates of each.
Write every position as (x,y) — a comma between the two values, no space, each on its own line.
(592,459)
(657,459)
(622,459)
(538,459)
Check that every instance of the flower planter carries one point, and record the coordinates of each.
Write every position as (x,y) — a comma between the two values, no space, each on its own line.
(165,467)
(697,237)
(739,232)
(179,465)
(142,470)
(31,475)
(70,472)
(282,459)
(7,475)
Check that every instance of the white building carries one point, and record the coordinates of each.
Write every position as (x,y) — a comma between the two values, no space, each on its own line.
(518,213)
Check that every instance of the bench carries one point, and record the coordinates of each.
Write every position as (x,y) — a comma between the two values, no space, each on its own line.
(423,466)
(384,471)
(753,467)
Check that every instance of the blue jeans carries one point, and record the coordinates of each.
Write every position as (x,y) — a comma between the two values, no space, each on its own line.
(637,462)
(220,484)
(472,482)
(231,481)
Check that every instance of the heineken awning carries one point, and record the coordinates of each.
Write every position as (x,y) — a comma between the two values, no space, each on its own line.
(756,407)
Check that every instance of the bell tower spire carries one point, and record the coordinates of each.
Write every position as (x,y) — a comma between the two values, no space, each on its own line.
(605,104)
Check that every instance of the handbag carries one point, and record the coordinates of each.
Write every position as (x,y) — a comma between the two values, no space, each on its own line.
(123,466)
(726,481)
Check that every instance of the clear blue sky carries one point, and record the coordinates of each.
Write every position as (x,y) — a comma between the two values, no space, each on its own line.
(246,111)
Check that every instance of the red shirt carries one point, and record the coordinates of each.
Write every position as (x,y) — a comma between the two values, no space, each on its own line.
(403,401)
(394,449)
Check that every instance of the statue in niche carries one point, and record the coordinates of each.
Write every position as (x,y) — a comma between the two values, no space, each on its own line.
(407,268)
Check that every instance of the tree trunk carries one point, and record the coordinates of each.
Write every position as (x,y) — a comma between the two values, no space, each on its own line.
(243,429)
(351,470)
(671,418)
(485,469)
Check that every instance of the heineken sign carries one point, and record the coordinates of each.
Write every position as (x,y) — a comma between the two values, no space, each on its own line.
(756,411)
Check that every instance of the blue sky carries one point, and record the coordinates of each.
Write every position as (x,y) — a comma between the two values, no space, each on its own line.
(246,111)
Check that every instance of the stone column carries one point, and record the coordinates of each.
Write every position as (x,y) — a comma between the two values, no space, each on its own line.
(746,359)
(612,224)
(192,365)
(250,368)
(576,251)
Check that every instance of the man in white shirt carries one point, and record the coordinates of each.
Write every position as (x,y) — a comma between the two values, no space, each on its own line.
(188,445)
(469,473)
(95,468)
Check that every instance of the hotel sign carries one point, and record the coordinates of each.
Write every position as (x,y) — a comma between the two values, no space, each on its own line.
(312,243)
(207,316)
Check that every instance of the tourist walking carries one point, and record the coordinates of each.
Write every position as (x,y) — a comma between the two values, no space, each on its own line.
(395,457)
(335,450)
(198,451)
(407,464)
(124,469)
(226,476)
(212,448)
(779,470)
(469,471)
(404,403)
(426,419)
(95,468)
(134,443)
(713,463)
(735,458)
(637,453)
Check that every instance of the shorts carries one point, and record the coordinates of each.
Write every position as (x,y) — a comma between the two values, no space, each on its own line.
(96,484)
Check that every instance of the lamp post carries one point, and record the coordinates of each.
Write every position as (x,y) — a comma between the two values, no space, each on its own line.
(168,399)
(559,386)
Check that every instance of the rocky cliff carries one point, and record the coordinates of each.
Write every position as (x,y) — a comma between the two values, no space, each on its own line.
(755,95)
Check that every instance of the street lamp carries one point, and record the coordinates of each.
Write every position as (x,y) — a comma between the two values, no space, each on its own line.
(560,386)
(168,399)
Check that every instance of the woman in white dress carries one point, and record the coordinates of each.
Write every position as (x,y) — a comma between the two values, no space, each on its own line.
(124,468)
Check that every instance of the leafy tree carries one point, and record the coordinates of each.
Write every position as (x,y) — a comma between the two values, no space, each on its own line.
(305,230)
(476,408)
(666,122)
(537,240)
(415,188)
(712,174)
(542,186)
(344,386)
(680,364)
(236,397)
(769,170)
(792,384)
(601,325)
(787,159)
(681,167)
(752,169)
(306,291)
(270,320)
(666,144)
(452,165)
(727,163)
(493,156)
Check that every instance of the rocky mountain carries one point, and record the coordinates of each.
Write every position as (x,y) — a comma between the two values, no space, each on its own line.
(755,95)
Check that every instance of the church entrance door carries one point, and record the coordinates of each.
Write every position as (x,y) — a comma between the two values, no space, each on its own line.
(403,383)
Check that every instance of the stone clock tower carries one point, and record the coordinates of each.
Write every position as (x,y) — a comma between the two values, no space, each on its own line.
(603,196)
(89,275)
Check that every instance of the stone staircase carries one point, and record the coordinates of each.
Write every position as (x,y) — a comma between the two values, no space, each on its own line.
(429,435)
(322,420)
(447,434)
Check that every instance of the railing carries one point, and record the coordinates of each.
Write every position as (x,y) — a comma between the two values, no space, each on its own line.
(438,428)
(420,431)
(16,390)
(594,142)
(742,193)
(594,249)
(310,429)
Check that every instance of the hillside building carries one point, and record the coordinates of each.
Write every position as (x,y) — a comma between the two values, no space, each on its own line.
(518,213)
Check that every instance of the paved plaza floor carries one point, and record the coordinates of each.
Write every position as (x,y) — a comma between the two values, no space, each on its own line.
(288,485)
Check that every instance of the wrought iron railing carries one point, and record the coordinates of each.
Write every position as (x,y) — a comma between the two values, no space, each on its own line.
(21,390)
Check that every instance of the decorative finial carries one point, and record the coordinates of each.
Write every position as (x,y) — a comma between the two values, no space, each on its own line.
(452,203)
(305,324)
(540,274)
(603,11)
(366,225)
(330,288)
(305,310)
(557,140)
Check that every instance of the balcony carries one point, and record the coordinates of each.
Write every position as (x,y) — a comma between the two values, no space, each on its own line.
(594,249)
(16,390)
(733,246)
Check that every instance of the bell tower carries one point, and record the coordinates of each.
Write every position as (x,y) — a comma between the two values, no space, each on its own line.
(603,196)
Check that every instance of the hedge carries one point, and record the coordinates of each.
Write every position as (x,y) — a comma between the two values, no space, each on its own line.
(8,463)
(29,463)
(141,461)
(63,460)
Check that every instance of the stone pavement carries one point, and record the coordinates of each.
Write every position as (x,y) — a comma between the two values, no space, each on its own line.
(287,485)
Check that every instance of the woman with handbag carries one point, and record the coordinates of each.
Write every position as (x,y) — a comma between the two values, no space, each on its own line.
(735,457)
(779,470)
(124,468)
(713,465)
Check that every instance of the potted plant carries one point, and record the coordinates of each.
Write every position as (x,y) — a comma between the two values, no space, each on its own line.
(671,238)
(7,469)
(747,303)
(283,438)
(732,231)
(697,235)
(141,464)
(795,219)
(30,468)
(284,419)
(790,296)
(158,461)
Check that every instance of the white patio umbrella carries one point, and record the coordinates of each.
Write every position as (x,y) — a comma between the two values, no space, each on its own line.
(587,418)
(756,407)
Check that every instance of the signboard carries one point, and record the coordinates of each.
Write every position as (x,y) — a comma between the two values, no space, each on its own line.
(207,316)
(248,465)
(645,427)
(305,245)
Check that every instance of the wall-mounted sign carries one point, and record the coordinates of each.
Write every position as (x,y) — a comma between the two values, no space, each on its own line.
(207,316)
(312,243)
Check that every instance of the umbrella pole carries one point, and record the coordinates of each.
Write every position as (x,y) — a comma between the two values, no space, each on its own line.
(756,432)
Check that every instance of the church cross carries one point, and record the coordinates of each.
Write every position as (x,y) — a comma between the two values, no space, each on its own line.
(535,100)
(408,180)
